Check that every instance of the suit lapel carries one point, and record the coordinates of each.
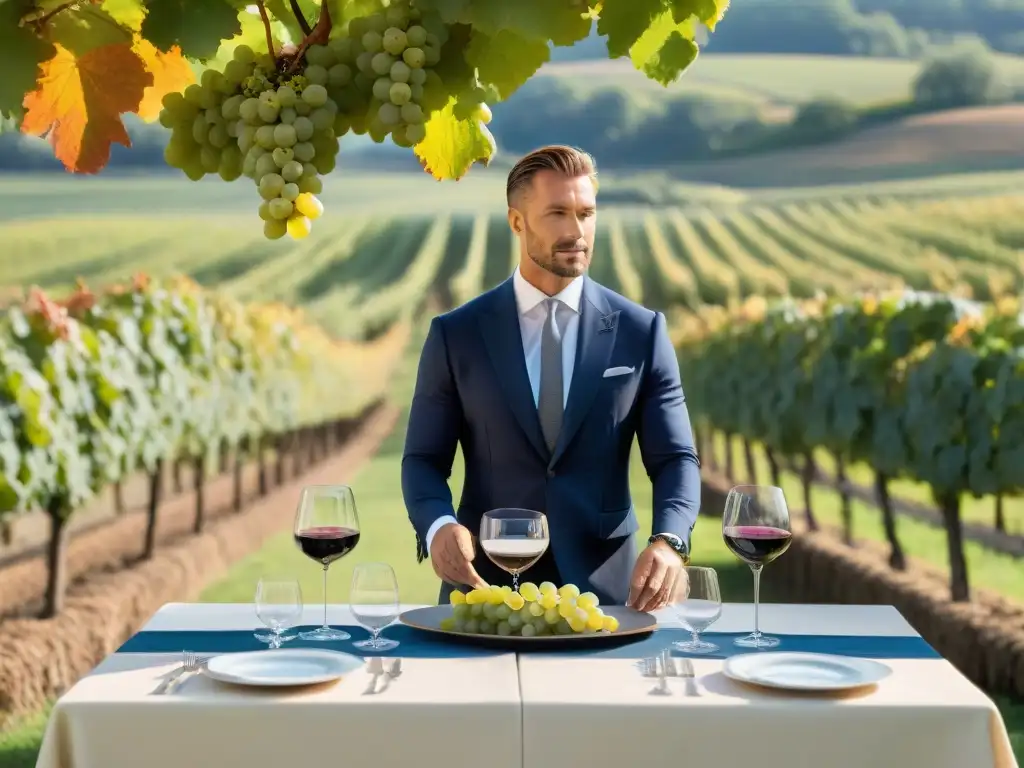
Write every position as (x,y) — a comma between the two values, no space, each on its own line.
(504,343)
(598,327)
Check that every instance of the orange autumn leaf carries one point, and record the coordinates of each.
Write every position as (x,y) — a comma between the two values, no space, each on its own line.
(54,317)
(78,103)
(171,72)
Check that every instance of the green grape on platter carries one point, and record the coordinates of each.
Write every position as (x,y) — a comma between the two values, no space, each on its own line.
(533,610)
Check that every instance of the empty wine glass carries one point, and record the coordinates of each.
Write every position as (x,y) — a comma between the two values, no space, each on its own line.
(279,607)
(514,539)
(699,607)
(374,602)
(755,526)
(326,529)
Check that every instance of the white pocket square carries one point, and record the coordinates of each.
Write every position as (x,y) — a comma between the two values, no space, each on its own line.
(618,371)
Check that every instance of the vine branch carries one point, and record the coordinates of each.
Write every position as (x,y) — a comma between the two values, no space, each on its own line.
(41,21)
(306,29)
(266,26)
(317,36)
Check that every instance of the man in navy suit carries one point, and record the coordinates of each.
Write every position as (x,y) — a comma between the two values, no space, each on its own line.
(545,380)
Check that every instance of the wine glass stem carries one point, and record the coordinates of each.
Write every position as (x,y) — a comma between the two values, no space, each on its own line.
(325,595)
(757,597)
(696,637)
(375,637)
(515,581)
(275,640)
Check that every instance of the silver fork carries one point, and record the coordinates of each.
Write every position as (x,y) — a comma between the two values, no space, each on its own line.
(648,666)
(668,663)
(375,668)
(191,663)
(660,669)
(688,675)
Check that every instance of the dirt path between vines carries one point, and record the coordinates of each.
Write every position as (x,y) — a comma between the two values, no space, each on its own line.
(119,544)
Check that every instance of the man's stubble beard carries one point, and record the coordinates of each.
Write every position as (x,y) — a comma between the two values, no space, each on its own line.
(548,260)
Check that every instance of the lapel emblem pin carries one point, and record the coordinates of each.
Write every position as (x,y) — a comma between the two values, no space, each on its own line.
(607,323)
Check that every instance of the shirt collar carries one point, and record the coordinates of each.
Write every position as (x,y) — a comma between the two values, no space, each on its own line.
(529,296)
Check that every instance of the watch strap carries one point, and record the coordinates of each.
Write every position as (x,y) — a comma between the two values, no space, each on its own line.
(673,541)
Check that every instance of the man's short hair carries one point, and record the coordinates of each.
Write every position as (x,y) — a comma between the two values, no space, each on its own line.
(568,161)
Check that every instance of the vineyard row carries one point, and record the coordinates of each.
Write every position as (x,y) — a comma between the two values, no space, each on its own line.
(101,386)
(916,386)
(665,258)
(359,275)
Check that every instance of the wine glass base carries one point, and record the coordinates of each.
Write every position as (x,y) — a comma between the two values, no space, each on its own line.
(268,637)
(325,634)
(695,647)
(757,641)
(382,644)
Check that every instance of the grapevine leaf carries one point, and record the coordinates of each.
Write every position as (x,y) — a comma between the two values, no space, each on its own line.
(623,22)
(675,55)
(79,100)
(196,26)
(84,28)
(665,49)
(252,34)
(343,11)
(128,13)
(506,60)
(454,70)
(21,53)
(708,12)
(563,22)
(171,72)
(281,12)
(450,11)
(452,145)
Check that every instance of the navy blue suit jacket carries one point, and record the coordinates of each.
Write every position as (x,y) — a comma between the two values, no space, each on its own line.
(472,388)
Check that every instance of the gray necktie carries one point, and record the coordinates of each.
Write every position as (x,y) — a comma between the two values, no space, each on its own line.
(549,403)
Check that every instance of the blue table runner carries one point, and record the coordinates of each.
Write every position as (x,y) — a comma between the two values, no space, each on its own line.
(416,644)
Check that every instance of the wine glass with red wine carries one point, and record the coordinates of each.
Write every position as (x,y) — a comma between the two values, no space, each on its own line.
(514,539)
(755,526)
(326,529)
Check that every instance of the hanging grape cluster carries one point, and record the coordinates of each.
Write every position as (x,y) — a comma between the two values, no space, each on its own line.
(277,120)
(254,120)
(383,78)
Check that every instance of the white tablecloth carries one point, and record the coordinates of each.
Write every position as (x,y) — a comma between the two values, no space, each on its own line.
(601,713)
(439,712)
(542,712)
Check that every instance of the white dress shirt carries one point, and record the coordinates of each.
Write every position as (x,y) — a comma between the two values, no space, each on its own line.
(530,303)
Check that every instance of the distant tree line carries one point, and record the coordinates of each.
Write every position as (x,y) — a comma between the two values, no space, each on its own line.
(888,28)
(690,127)
(999,22)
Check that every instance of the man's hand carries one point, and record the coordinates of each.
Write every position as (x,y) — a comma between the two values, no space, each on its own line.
(658,578)
(451,555)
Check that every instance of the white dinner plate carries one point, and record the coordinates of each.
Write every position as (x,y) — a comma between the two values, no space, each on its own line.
(281,667)
(805,671)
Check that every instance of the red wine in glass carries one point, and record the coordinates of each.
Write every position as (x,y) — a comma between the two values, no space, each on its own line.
(756,544)
(326,543)
(755,527)
(326,529)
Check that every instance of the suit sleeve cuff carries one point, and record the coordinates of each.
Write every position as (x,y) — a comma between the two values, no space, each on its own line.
(435,526)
